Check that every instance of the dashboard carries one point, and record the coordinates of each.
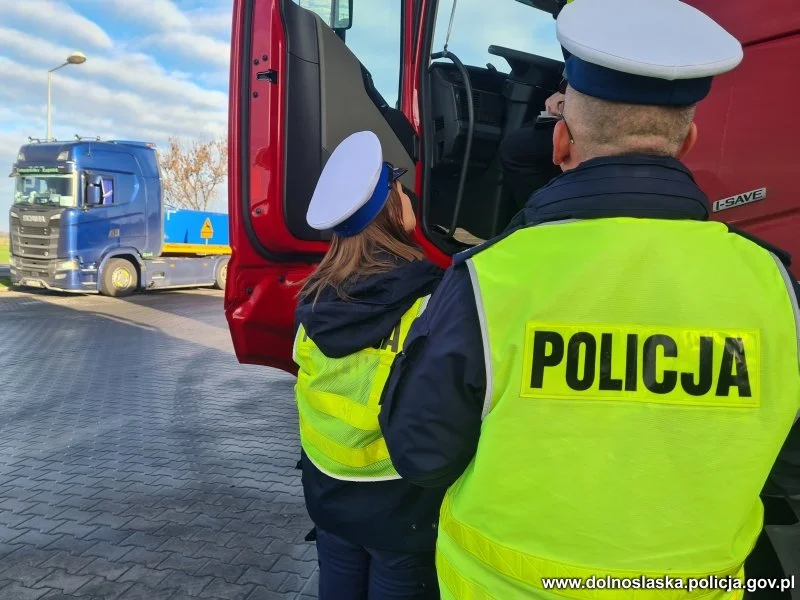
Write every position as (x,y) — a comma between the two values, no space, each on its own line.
(502,102)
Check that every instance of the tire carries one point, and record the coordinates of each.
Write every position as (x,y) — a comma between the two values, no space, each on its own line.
(120,278)
(221,276)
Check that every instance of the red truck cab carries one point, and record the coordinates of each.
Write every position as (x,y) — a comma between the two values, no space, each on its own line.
(307,73)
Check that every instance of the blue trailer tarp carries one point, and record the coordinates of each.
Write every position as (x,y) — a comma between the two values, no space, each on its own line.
(195,227)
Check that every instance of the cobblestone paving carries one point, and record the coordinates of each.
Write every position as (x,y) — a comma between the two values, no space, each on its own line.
(138,459)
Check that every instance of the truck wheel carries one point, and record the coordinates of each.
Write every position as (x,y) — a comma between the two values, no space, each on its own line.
(119,278)
(221,276)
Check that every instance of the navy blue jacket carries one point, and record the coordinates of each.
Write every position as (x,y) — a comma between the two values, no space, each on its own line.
(432,403)
(387,515)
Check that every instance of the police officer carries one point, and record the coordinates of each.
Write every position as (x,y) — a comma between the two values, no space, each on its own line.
(607,386)
(375,532)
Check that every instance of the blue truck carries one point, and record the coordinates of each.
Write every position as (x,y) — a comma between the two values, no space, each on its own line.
(88,216)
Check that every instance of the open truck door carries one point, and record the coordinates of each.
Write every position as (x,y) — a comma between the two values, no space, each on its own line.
(298,88)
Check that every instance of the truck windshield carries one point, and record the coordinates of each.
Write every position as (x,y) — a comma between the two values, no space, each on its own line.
(50,190)
(479,24)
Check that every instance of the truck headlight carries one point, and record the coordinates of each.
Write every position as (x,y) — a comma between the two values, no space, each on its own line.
(12,261)
(67,265)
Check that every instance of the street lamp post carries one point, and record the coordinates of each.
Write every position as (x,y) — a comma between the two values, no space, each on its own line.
(76,58)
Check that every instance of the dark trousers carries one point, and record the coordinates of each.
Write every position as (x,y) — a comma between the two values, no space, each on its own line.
(526,156)
(351,572)
(763,562)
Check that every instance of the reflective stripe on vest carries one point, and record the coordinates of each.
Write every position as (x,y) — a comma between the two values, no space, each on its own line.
(338,401)
(532,570)
(640,384)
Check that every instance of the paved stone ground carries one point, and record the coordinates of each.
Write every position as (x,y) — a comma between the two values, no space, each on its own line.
(138,459)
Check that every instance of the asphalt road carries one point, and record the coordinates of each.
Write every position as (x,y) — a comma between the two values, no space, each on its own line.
(138,459)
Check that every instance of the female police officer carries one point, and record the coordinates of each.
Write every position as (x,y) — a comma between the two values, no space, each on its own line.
(375,532)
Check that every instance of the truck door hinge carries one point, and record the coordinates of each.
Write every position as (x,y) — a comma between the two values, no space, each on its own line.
(416,148)
(271,76)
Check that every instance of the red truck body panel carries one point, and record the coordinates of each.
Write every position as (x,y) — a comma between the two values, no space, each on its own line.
(746,155)
(747,142)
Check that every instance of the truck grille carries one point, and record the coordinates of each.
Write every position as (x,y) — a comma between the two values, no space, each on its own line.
(34,241)
(32,268)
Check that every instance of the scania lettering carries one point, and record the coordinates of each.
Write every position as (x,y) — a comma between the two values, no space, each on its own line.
(88,217)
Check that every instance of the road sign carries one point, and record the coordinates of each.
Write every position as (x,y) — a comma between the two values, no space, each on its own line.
(207,231)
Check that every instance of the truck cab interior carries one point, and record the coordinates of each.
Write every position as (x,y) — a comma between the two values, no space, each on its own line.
(465,110)
(340,66)
(468,110)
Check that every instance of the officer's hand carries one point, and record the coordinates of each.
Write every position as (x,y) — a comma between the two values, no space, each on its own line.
(555,104)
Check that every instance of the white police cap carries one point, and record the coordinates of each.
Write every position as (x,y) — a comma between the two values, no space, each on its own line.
(658,52)
(353,187)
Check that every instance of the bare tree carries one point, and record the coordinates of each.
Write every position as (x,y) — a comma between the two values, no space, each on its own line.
(191,173)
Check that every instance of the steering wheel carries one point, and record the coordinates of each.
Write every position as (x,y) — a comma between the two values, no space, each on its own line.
(470,130)
(522,61)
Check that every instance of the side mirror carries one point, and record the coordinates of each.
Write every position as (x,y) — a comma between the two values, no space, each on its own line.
(337,14)
(343,14)
(94,190)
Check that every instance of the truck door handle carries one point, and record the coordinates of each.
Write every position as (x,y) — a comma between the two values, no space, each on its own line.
(271,76)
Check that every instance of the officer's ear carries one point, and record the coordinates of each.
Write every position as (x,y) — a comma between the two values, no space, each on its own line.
(688,142)
(563,147)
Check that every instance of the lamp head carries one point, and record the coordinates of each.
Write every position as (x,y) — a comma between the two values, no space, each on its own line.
(76,58)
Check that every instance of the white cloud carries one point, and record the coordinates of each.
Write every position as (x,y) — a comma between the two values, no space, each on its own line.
(134,71)
(183,34)
(123,109)
(156,14)
(214,22)
(205,50)
(10,141)
(58,18)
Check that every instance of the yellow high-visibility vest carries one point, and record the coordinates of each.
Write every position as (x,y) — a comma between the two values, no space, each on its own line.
(338,403)
(642,375)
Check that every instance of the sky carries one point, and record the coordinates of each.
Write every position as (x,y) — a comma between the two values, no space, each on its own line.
(159,68)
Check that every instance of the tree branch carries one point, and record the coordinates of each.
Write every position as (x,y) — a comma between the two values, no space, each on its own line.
(191,174)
